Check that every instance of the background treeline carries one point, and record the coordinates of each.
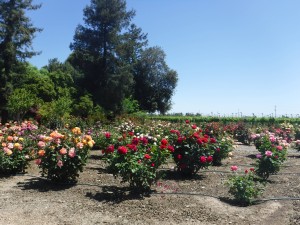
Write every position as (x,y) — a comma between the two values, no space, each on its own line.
(111,69)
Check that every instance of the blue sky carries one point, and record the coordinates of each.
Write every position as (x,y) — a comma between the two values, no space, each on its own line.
(233,56)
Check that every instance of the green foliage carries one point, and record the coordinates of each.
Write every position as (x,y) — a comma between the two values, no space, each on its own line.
(20,102)
(154,81)
(97,115)
(130,106)
(54,113)
(38,83)
(84,107)
(244,187)
(16,34)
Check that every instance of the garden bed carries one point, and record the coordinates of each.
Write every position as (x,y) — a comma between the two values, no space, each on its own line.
(99,198)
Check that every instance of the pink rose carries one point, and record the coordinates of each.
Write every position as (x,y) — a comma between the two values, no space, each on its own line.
(59,163)
(72,153)
(38,161)
(268,153)
(234,168)
(41,144)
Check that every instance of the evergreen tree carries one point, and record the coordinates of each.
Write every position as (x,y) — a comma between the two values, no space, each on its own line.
(96,52)
(154,81)
(16,35)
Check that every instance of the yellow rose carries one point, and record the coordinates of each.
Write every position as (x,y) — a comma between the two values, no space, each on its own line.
(21,139)
(9,152)
(16,145)
(91,143)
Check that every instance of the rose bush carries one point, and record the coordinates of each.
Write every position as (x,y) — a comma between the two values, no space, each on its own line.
(244,187)
(193,150)
(62,154)
(15,153)
(135,158)
(272,153)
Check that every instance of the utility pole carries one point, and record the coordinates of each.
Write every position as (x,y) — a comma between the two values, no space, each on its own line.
(275,111)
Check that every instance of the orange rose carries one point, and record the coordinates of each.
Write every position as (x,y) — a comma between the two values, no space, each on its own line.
(41,153)
(63,151)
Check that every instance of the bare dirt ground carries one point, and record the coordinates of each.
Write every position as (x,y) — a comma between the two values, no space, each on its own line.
(99,198)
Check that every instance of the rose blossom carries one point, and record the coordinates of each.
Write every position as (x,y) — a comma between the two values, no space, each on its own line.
(38,161)
(258,156)
(72,153)
(107,135)
(59,163)
(203,159)
(41,144)
(209,159)
(122,150)
(63,151)
(279,147)
(268,153)
(234,168)
(147,156)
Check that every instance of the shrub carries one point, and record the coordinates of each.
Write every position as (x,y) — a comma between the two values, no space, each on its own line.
(193,150)
(15,153)
(136,159)
(272,153)
(244,187)
(62,154)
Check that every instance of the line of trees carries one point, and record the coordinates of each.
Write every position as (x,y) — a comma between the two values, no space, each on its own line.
(111,69)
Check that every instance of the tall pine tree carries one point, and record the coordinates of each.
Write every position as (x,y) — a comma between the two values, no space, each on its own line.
(16,35)
(96,52)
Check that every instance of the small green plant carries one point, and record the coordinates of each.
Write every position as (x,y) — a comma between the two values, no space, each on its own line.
(244,187)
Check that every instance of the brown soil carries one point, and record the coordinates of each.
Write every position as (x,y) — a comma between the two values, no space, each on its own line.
(99,198)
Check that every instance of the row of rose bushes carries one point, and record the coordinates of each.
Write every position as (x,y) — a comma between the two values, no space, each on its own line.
(272,152)
(133,152)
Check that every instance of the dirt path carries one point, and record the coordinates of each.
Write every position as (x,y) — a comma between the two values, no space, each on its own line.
(98,198)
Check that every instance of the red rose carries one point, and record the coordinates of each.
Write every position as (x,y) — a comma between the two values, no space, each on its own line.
(179,156)
(135,141)
(180,139)
(194,126)
(203,159)
(132,147)
(110,149)
(130,133)
(122,150)
(147,156)
(107,135)
(171,148)
(144,140)
(199,142)
(187,121)
(212,140)
(164,142)
(209,159)
(152,164)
